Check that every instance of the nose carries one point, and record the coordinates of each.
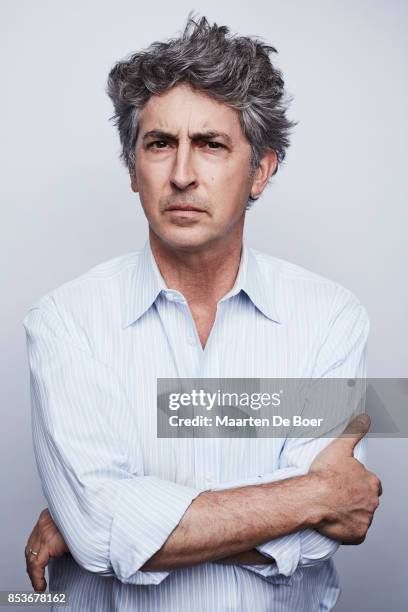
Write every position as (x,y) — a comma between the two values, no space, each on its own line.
(183,175)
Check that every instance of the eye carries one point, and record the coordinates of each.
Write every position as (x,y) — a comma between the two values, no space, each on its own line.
(214,145)
(157,144)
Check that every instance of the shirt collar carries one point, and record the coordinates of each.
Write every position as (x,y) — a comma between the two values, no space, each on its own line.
(259,286)
(146,283)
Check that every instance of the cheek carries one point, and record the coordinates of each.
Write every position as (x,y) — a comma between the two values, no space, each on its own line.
(228,182)
(152,179)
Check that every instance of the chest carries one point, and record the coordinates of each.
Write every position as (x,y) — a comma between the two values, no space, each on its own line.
(233,342)
(204,319)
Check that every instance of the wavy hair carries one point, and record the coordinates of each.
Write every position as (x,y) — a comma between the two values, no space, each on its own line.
(236,70)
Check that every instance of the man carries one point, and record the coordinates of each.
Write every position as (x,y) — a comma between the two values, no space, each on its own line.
(181,524)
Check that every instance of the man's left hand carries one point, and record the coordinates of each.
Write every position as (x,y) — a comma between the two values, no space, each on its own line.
(46,541)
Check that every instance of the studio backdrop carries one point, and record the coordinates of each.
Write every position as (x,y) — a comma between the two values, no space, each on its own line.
(338,206)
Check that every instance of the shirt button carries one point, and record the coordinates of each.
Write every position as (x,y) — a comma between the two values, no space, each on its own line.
(191,340)
(209,477)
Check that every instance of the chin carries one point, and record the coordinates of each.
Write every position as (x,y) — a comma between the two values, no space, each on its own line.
(185,238)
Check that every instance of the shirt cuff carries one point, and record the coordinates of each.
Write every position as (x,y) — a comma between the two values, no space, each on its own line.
(315,547)
(286,551)
(148,509)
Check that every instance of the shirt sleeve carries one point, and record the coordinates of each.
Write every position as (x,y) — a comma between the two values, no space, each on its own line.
(112,516)
(341,355)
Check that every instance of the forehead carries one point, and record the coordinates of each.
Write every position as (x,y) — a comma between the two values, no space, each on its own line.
(183,109)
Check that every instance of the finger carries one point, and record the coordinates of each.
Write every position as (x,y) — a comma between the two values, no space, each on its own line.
(34,572)
(36,569)
(32,544)
(37,578)
(354,432)
(358,426)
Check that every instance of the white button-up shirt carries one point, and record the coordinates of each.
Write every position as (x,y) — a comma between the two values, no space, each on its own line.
(96,347)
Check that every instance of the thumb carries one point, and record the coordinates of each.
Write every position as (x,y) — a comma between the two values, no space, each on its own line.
(354,432)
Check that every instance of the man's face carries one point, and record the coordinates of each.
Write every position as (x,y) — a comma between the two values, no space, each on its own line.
(192,168)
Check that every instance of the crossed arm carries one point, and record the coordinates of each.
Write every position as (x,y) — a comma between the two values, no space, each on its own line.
(97,491)
(337,498)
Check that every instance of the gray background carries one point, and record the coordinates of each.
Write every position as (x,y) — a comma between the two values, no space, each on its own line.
(338,207)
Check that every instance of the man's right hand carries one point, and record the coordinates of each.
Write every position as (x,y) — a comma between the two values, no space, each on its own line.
(348,492)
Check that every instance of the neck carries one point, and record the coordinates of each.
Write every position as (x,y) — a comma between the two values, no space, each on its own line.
(203,276)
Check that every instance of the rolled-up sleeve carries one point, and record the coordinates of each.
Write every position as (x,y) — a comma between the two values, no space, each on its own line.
(112,516)
(341,355)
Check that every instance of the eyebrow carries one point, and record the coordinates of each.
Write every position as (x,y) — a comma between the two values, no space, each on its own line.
(207,136)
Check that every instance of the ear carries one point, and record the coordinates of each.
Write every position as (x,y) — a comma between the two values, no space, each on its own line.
(267,166)
(133,182)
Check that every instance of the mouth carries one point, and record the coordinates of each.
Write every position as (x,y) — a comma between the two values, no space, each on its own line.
(184,213)
(184,208)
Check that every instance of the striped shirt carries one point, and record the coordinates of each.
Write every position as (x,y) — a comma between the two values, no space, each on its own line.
(96,346)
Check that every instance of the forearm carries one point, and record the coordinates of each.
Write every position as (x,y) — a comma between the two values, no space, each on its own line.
(220,524)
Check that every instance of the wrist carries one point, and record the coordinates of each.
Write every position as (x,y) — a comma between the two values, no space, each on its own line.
(314,506)
(301,499)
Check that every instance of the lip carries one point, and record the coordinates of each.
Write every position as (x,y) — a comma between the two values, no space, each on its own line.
(183,208)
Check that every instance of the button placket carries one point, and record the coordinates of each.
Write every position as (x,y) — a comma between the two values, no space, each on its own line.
(177,326)
(209,450)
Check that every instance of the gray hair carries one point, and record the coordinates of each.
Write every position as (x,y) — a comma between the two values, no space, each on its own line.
(232,69)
